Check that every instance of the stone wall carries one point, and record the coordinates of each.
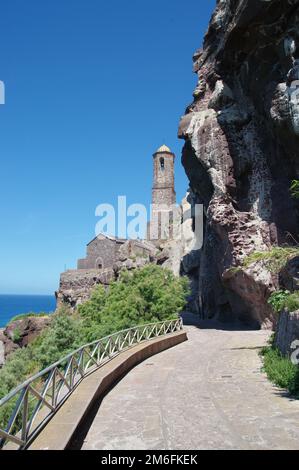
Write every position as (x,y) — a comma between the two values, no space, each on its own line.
(76,285)
(287,332)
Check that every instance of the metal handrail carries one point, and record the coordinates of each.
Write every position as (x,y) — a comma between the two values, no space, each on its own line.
(39,397)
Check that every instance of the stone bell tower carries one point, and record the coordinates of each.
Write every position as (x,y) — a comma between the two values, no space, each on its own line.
(163,187)
(163,194)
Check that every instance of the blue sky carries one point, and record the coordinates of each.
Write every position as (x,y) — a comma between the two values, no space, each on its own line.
(93,88)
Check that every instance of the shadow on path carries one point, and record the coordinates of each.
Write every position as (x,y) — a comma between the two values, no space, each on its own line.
(191,319)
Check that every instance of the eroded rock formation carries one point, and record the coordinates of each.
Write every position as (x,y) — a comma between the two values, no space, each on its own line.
(20,333)
(241,151)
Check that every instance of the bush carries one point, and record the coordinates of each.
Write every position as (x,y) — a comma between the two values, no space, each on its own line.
(281,371)
(146,295)
(281,300)
(63,337)
(17,368)
(16,335)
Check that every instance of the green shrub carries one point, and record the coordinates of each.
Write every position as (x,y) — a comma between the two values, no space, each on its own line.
(16,335)
(145,295)
(277,300)
(17,368)
(292,302)
(63,337)
(295,189)
(281,300)
(281,371)
(275,259)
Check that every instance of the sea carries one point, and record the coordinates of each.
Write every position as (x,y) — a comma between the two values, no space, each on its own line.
(12,305)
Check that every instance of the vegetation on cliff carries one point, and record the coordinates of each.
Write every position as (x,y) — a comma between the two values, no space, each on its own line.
(284,300)
(295,189)
(22,316)
(145,295)
(274,259)
(280,370)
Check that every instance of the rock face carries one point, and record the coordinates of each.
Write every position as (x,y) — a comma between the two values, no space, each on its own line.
(182,254)
(241,151)
(20,333)
(289,275)
(76,285)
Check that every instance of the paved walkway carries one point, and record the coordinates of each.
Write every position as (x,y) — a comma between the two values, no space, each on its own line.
(207,393)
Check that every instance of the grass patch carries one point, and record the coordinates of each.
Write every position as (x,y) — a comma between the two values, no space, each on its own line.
(274,259)
(280,370)
(27,315)
(284,300)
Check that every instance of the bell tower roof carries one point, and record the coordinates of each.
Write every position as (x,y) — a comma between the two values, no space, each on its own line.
(163,149)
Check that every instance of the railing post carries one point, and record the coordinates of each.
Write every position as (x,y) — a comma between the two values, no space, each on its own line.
(25,416)
(53,389)
(71,372)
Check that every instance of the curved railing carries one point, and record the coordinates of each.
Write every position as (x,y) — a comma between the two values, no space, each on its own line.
(37,400)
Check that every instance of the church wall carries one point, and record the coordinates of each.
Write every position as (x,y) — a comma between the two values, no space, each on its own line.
(101,253)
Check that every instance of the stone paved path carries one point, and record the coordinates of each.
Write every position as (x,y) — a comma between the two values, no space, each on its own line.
(207,393)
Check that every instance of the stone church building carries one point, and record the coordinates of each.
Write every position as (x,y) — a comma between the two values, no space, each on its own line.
(104,251)
(106,256)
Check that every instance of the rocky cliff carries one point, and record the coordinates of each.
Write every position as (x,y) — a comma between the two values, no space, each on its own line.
(241,151)
(19,333)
